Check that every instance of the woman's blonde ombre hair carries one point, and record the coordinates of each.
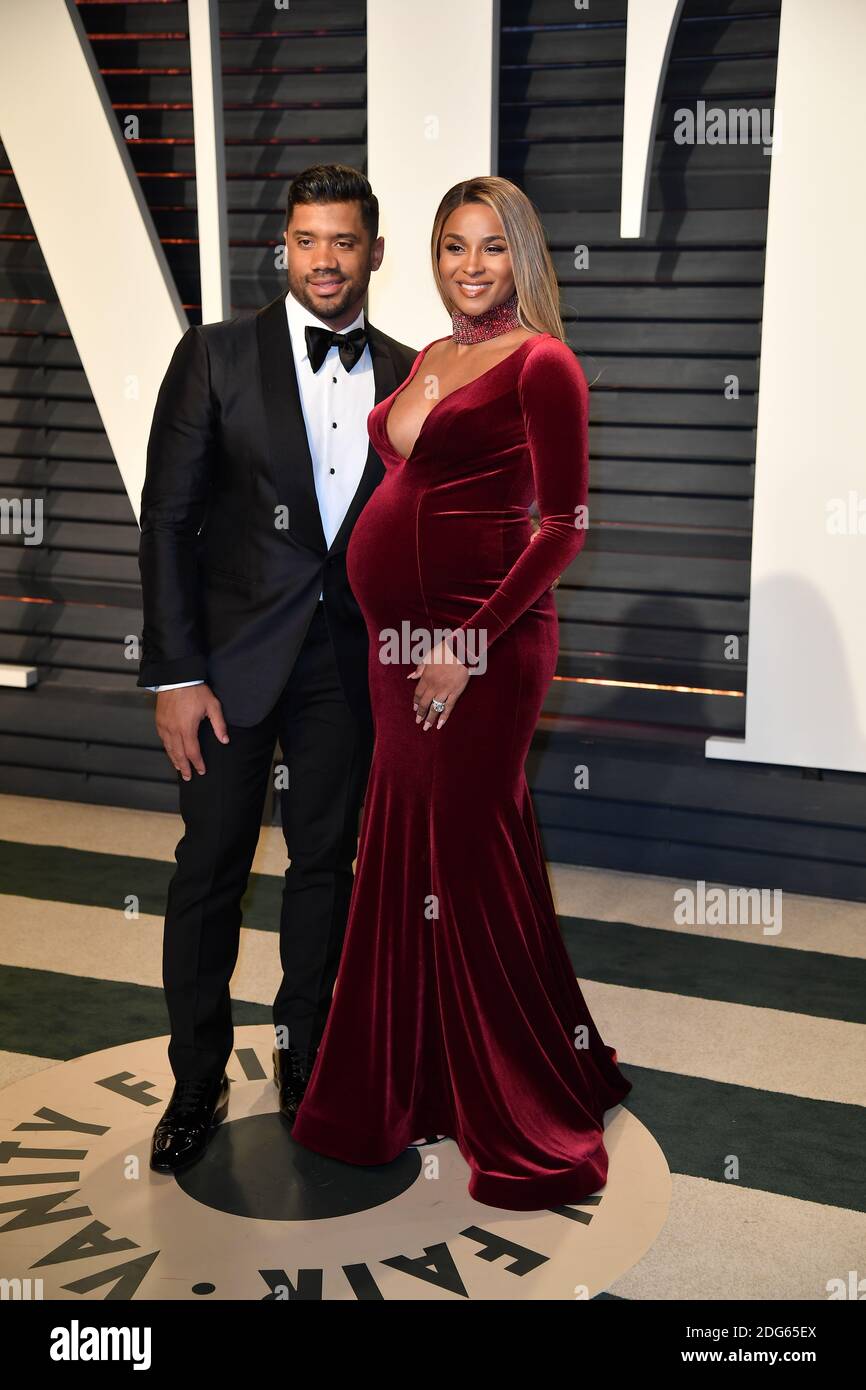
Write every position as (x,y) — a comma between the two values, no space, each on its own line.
(534,276)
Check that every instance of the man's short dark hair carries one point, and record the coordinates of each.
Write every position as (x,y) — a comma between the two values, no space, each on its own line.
(335,183)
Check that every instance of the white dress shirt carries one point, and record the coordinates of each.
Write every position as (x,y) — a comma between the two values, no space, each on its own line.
(335,405)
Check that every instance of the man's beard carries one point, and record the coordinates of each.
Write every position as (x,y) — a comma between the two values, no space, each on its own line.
(326,308)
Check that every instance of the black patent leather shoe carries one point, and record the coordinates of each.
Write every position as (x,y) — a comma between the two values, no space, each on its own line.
(192,1115)
(292,1071)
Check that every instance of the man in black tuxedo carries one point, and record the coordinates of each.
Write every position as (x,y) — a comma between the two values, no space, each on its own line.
(258,466)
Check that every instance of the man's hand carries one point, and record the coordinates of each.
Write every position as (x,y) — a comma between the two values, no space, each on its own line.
(178,715)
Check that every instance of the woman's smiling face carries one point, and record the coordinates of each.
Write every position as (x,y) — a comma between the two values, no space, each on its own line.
(474,261)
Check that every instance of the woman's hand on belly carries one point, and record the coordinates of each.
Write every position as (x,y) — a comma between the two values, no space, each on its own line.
(441,677)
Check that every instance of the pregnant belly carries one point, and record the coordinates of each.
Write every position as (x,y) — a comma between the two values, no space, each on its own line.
(382,555)
(413,557)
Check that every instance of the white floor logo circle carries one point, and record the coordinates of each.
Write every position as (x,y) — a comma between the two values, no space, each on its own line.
(84,1217)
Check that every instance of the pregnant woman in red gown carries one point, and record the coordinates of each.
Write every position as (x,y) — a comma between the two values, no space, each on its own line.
(456,1009)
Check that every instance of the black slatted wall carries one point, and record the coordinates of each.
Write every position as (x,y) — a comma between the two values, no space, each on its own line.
(294,90)
(663,581)
(658,325)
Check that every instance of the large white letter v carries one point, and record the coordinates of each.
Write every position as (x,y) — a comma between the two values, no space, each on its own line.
(90,218)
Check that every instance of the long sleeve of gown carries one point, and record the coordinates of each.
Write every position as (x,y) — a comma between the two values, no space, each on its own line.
(554,400)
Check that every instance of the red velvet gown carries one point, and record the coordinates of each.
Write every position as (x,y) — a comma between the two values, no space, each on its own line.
(456,1009)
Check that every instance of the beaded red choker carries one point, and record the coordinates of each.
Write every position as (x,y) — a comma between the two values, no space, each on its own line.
(475,328)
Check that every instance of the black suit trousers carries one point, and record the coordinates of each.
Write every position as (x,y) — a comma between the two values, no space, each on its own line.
(326,751)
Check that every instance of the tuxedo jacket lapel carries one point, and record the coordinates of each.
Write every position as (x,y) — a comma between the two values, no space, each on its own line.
(288,446)
(289,450)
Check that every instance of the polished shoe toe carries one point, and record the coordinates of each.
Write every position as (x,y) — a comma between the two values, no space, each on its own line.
(192,1114)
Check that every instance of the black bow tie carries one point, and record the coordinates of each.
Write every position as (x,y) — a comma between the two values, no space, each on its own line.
(319,340)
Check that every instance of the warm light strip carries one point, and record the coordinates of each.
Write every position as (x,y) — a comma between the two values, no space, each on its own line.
(62,602)
(649,685)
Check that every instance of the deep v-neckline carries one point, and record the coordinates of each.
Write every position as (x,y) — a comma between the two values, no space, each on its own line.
(404,458)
